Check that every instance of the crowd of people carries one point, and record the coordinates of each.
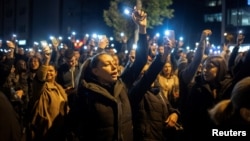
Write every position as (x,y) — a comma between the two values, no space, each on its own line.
(155,92)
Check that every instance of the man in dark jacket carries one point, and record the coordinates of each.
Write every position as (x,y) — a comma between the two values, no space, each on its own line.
(67,74)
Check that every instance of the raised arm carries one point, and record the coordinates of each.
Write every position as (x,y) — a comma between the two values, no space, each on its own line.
(189,72)
(130,74)
(140,88)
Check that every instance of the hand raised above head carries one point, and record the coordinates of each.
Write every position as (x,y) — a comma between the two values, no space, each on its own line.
(139,17)
(240,39)
(205,34)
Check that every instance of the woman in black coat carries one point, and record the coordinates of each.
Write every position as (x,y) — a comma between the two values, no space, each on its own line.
(209,89)
(103,110)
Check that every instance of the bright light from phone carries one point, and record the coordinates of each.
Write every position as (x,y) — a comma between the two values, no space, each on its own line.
(94,35)
(167,32)
(157,35)
(60,38)
(111,38)
(73,33)
(134,46)
(126,11)
(51,37)
(122,34)
(181,38)
(126,51)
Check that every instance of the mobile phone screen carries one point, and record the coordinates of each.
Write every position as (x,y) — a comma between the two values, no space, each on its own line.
(170,34)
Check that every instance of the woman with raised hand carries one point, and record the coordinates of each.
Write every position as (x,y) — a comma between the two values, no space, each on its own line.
(209,89)
(103,110)
(49,105)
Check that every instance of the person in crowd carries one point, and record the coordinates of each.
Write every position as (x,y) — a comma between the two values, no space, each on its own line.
(232,65)
(61,55)
(152,114)
(103,110)
(187,74)
(208,90)
(20,55)
(77,55)
(67,74)
(33,64)
(169,84)
(10,129)
(234,113)
(152,51)
(21,72)
(120,68)
(49,105)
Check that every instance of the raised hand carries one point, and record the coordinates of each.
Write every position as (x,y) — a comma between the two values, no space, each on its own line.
(140,18)
(205,34)
(240,39)
(103,42)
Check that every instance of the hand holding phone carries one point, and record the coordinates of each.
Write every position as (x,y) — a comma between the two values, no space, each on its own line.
(45,47)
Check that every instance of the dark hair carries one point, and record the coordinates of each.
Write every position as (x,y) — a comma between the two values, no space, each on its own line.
(69,53)
(220,63)
(96,59)
(32,58)
(86,68)
(241,93)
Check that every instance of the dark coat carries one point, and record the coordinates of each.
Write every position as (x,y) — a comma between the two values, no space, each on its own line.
(105,115)
(10,129)
(199,101)
(150,109)
(64,75)
(104,112)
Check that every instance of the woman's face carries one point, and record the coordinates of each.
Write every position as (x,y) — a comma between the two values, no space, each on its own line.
(106,70)
(22,64)
(167,69)
(34,64)
(51,74)
(209,71)
(116,60)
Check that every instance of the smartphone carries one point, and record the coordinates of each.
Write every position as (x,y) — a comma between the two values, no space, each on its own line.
(170,34)
(44,43)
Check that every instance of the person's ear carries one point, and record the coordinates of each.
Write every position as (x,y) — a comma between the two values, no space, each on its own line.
(245,114)
(95,71)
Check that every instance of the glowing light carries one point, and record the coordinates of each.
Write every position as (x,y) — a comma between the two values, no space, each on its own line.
(122,34)
(126,11)
(157,35)
(51,37)
(134,46)
(167,32)
(94,35)
(181,38)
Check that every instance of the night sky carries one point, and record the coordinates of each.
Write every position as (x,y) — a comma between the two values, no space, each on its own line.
(183,21)
(93,16)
